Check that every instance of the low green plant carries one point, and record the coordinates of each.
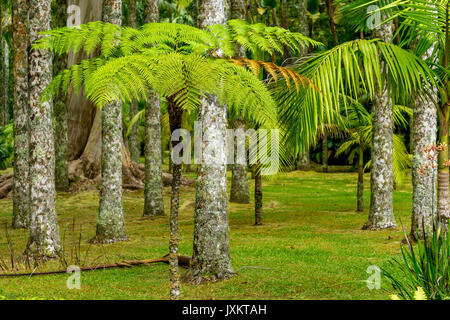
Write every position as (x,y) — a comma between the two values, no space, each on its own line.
(6,146)
(426,267)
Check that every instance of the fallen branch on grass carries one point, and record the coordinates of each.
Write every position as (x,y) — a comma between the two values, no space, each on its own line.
(183,261)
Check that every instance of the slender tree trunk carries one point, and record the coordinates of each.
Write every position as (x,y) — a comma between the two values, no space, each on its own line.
(6,117)
(444,115)
(110,221)
(303,17)
(330,10)
(175,118)
(60,107)
(211,257)
(325,153)
(258,198)
(381,215)
(154,203)
(132,21)
(2,72)
(21,186)
(360,191)
(239,192)
(304,161)
(133,138)
(43,238)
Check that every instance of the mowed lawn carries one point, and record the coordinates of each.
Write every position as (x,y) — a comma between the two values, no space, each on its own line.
(311,245)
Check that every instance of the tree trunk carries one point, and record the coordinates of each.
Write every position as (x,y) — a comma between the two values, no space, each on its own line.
(154,203)
(211,257)
(110,221)
(133,138)
(239,192)
(6,117)
(381,215)
(258,198)
(303,17)
(423,136)
(325,153)
(330,10)
(132,21)
(360,191)
(21,187)
(43,238)
(2,72)
(304,161)
(85,124)
(175,118)
(60,107)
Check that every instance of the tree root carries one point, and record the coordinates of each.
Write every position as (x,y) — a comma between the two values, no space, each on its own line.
(183,261)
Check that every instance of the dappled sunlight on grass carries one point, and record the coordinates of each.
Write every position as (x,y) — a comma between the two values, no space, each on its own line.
(311,245)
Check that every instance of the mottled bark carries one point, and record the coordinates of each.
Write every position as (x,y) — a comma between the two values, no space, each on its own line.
(381,215)
(360,187)
(43,238)
(154,203)
(258,198)
(239,192)
(211,257)
(60,108)
(304,161)
(133,138)
(424,183)
(423,136)
(2,71)
(325,153)
(151,10)
(175,119)
(110,221)
(303,17)
(21,187)
(132,13)
(6,117)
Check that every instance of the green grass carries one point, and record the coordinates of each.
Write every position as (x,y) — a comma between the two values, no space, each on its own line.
(311,245)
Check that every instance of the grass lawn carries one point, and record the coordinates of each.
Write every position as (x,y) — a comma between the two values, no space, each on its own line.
(311,245)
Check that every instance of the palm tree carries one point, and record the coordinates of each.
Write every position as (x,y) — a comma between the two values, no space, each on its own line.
(21,187)
(153,202)
(110,220)
(425,24)
(173,60)
(357,124)
(43,238)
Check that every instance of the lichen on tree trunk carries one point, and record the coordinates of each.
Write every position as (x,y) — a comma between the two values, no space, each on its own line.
(110,221)
(175,119)
(211,257)
(60,107)
(154,202)
(43,238)
(239,191)
(21,187)
(423,136)
(381,215)
(258,197)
